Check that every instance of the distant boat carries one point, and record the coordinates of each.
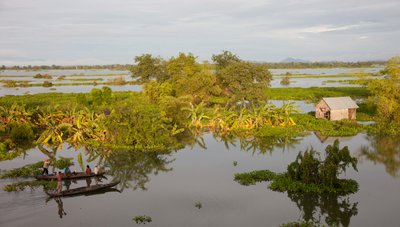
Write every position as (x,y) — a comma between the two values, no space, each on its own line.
(82,190)
(67,176)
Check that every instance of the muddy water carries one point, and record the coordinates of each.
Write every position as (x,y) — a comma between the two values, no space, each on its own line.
(169,188)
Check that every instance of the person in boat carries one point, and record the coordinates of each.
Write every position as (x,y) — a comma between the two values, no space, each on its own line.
(67,171)
(46,165)
(96,170)
(88,170)
(59,182)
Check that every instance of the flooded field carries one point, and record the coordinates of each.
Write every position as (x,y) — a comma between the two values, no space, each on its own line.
(84,80)
(195,187)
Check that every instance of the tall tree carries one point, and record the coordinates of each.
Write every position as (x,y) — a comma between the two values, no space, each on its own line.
(386,93)
(147,68)
(224,59)
(244,80)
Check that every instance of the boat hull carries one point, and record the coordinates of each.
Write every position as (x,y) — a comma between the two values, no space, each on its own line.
(67,177)
(82,190)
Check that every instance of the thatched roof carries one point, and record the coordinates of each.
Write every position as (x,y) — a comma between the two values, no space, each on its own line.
(339,103)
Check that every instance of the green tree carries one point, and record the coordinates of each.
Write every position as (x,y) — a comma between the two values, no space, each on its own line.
(244,80)
(385,94)
(190,78)
(148,67)
(224,59)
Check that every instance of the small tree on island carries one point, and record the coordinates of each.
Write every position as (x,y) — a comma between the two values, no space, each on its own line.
(308,168)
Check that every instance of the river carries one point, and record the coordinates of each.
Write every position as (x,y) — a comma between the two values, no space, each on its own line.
(194,186)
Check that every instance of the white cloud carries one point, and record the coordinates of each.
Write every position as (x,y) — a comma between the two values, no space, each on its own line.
(59,31)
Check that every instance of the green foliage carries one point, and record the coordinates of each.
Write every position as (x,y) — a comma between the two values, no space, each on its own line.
(307,168)
(44,76)
(142,219)
(224,59)
(198,205)
(309,174)
(140,125)
(301,223)
(244,80)
(20,186)
(21,132)
(47,84)
(25,171)
(385,94)
(63,163)
(155,91)
(285,81)
(315,93)
(253,177)
(80,161)
(147,68)
(325,127)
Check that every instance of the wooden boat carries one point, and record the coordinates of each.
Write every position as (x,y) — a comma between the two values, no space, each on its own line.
(82,190)
(68,176)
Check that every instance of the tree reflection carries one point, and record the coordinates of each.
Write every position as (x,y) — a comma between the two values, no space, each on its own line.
(332,209)
(260,145)
(133,168)
(384,150)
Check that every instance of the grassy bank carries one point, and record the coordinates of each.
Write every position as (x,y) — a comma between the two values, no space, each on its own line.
(315,93)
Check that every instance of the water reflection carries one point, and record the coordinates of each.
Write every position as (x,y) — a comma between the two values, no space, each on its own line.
(384,150)
(260,145)
(60,205)
(132,168)
(331,209)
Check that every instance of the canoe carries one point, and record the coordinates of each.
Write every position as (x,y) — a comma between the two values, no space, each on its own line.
(82,190)
(66,177)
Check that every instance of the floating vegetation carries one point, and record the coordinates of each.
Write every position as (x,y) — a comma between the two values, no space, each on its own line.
(301,223)
(310,174)
(47,84)
(285,81)
(198,205)
(253,177)
(35,168)
(25,171)
(21,186)
(42,76)
(116,81)
(142,219)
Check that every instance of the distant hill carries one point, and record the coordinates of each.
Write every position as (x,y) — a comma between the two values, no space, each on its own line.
(295,60)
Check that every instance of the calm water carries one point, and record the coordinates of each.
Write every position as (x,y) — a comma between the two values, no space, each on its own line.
(105,75)
(326,71)
(167,188)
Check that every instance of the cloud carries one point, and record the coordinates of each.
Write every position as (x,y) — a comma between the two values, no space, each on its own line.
(258,29)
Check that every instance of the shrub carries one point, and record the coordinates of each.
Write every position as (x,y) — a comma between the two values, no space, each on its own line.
(21,131)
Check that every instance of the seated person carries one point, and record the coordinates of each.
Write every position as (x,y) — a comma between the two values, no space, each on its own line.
(67,171)
(96,170)
(88,170)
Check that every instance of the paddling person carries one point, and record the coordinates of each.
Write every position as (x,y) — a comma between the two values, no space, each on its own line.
(46,164)
(59,182)
(88,170)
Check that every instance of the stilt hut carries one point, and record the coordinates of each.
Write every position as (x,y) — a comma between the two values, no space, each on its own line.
(336,108)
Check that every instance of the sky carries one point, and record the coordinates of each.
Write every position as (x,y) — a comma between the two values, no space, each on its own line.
(71,32)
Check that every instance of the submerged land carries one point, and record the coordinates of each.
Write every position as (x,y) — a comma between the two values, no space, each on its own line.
(181,102)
